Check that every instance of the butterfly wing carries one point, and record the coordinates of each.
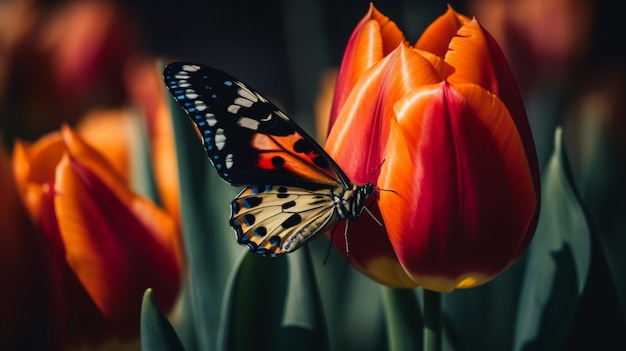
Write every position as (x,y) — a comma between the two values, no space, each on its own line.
(272,220)
(246,137)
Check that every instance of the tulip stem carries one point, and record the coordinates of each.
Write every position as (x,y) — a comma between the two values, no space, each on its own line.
(432,320)
(403,319)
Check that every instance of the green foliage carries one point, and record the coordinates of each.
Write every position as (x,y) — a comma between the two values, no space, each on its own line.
(156,332)
(403,319)
(558,262)
(272,303)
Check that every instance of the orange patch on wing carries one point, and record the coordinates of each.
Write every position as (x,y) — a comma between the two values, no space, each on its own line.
(265,243)
(277,152)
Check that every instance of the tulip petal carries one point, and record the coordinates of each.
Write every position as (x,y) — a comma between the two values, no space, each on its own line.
(13,220)
(471,55)
(34,166)
(22,272)
(436,37)
(478,59)
(388,271)
(147,213)
(370,250)
(36,163)
(92,159)
(465,195)
(146,88)
(374,37)
(117,243)
(357,140)
(356,144)
(108,132)
(441,67)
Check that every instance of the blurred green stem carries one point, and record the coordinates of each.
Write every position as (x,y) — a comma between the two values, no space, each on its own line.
(404,319)
(432,320)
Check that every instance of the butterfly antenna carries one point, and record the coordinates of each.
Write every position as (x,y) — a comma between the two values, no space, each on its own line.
(376,170)
(388,190)
(377,188)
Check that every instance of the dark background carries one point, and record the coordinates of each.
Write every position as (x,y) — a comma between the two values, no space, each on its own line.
(278,47)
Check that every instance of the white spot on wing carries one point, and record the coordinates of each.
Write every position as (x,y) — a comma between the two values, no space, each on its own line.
(245,93)
(220,138)
(229,161)
(243,102)
(248,123)
(233,109)
(210,119)
(191,68)
(200,105)
(191,94)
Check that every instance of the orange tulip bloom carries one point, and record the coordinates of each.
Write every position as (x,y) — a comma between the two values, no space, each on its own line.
(105,245)
(446,118)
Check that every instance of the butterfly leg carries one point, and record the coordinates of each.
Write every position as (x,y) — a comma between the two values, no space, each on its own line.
(345,235)
(371,215)
(330,244)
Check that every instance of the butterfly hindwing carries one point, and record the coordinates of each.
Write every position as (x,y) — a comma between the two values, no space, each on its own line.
(246,137)
(272,220)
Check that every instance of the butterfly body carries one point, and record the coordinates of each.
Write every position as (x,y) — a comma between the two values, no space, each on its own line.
(294,190)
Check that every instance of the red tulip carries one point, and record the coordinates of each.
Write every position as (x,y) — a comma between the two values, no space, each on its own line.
(459,178)
(105,245)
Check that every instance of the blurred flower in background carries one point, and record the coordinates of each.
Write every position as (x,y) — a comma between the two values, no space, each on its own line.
(447,124)
(81,244)
(103,244)
(25,303)
(547,44)
(67,57)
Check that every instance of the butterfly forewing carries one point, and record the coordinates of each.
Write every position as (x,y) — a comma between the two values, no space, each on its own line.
(246,137)
(272,220)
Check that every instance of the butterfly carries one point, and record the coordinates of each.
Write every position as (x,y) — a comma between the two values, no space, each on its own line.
(293,189)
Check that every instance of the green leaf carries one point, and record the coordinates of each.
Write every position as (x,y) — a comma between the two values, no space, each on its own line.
(275,299)
(303,325)
(403,319)
(253,303)
(157,333)
(557,264)
(140,162)
(352,302)
(483,318)
(603,193)
(209,243)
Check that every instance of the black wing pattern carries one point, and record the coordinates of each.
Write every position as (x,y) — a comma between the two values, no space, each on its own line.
(246,137)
